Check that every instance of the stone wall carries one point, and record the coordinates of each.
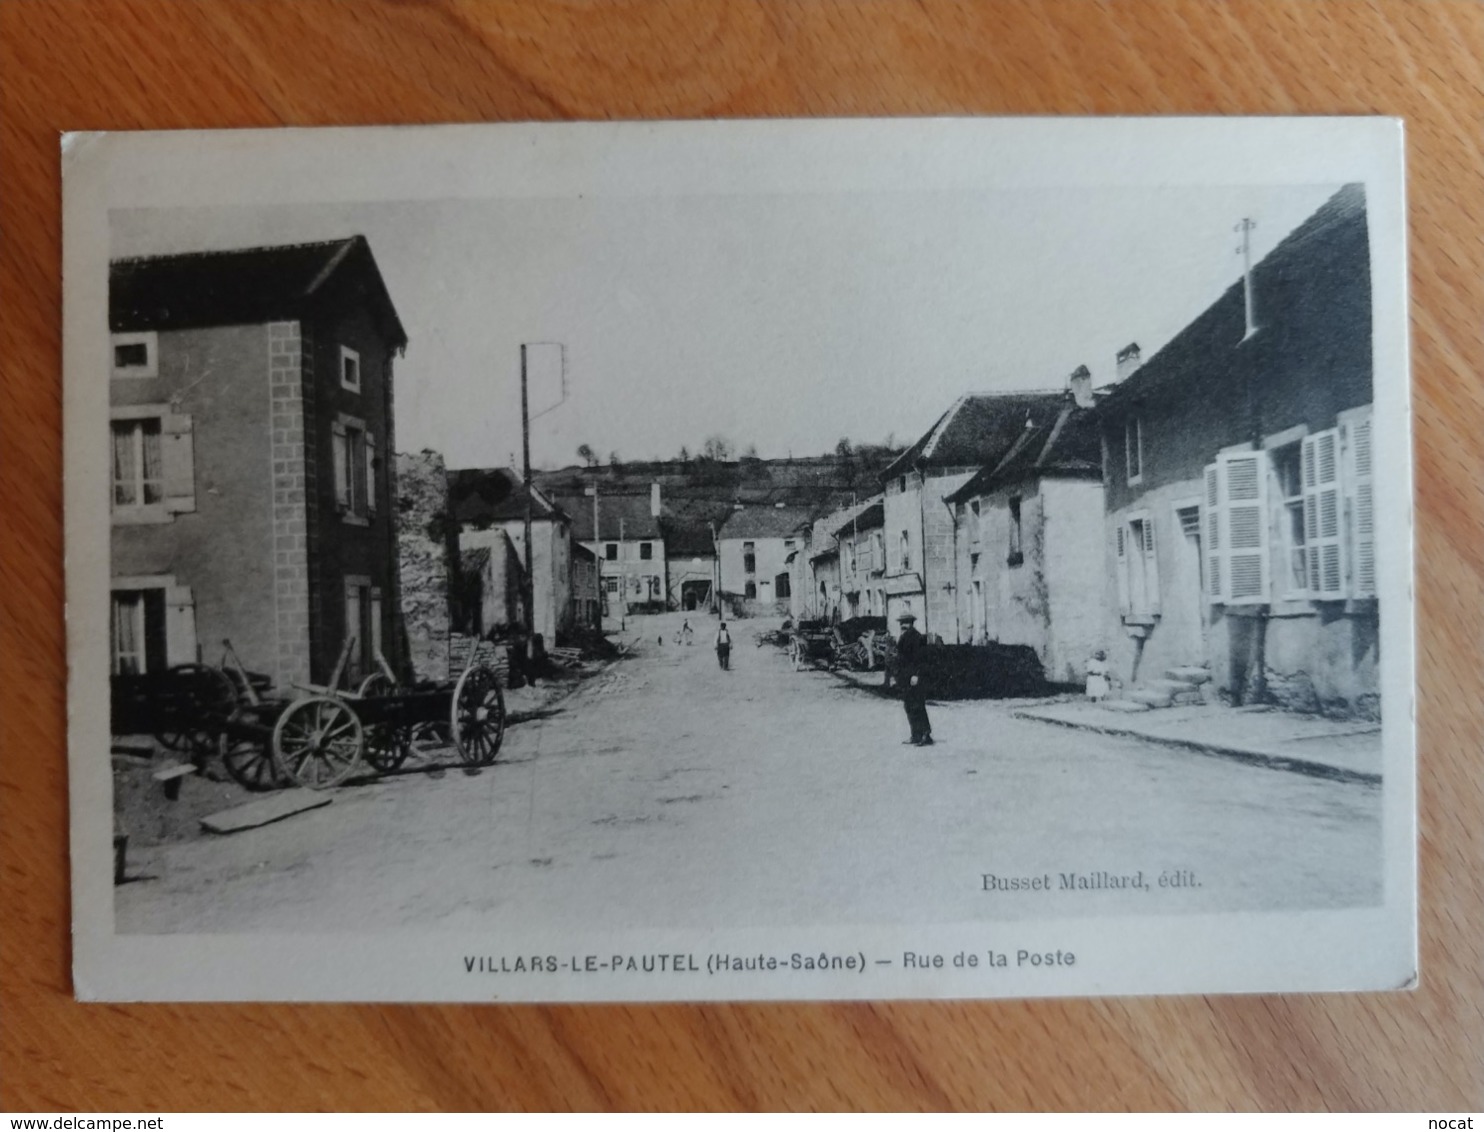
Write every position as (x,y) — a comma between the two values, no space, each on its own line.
(424,561)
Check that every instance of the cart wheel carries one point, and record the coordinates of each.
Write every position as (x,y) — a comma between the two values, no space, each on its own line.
(212,695)
(477,716)
(387,746)
(317,741)
(248,762)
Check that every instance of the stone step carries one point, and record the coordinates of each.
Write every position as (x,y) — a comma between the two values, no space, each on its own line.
(1152,697)
(1189,674)
(1173,687)
(1124,706)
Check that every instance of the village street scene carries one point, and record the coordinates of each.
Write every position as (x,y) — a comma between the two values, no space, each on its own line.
(1100,640)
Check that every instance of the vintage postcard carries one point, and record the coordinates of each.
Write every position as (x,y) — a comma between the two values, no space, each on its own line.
(740,560)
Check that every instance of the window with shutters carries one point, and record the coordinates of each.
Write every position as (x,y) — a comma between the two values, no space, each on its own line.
(153,624)
(1290,562)
(152,463)
(355,469)
(1360,520)
(1323,505)
(1137,567)
(1237,544)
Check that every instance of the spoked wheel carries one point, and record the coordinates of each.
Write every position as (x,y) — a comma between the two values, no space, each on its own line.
(387,746)
(209,696)
(317,741)
(478,716)
(248,761)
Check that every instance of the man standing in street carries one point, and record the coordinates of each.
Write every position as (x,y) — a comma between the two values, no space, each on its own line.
(910,647)
(723,646)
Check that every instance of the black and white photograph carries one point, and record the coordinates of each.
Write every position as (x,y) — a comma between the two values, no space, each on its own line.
(740,560)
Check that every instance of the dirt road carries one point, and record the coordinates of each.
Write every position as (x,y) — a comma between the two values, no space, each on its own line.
(667,792)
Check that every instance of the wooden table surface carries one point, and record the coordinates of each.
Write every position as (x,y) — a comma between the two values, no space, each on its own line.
(123,64)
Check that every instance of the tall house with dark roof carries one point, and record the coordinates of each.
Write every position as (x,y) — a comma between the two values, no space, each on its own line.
(1029,565)
(753,548)
(490,507)
(1239,534)
(251,433)
(921,559)
(626,537)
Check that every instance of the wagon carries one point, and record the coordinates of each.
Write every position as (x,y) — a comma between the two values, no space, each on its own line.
(812,645)
(321,738)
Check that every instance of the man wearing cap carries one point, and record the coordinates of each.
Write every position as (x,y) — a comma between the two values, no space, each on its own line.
(910,647)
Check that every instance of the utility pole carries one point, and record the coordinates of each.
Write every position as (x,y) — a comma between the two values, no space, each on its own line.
(623,583)
(525,433)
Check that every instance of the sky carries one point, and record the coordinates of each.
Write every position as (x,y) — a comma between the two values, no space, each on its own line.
(780,321)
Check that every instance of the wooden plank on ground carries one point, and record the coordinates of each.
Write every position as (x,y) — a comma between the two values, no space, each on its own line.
(173,770)
(275,807)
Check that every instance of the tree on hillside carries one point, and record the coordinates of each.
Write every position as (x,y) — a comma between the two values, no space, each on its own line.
(586,454)
(844,449)
(751,453)
(684,454)
(717,447)
(613,460)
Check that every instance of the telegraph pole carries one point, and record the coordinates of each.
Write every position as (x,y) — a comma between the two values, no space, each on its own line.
(525,432)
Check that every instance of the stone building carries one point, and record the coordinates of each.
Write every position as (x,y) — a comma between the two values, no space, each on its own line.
(1239,532)
(752,548)
(489,502)
(1028,538)
(918,522)
(252,422)
(629,543)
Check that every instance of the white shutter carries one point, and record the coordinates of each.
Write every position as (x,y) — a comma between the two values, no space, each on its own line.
(1121,551)
(1151,567)
(1213,550)
(178,463)
(180,626)
(1242,483)
(1360,505)
(370,474)
(339,448)
(1322,528)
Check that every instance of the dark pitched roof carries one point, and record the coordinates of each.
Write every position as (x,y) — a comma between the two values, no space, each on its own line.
(686,539)
(248,285)
(978,429)
(482,496)
(766,522)
(1317,272)
(633,510)
(1066,444)
(871,516)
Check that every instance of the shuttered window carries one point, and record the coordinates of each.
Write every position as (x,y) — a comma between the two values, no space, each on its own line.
(1237,529)
(1137,566)
(1322,515)
(1360,504)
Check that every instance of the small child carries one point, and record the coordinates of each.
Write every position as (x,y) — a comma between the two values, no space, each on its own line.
(1097,677)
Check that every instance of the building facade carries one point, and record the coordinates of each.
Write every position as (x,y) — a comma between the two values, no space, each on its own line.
(1029,540)
(626,539)
(491,502)
(1239,531)
(753,548)
(919,529)
(251,433)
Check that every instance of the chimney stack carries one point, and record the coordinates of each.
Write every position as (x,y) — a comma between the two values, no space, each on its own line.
(1128,360)
(654,499)
(1079,384)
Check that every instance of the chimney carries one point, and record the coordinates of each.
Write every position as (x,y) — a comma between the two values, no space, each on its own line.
(1080,386)
(654,499)
(1128,360)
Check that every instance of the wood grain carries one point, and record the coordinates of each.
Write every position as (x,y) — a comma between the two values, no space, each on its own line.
(126,64)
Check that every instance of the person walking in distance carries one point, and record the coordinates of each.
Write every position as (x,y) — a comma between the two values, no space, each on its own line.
(910,647)
(723,646)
